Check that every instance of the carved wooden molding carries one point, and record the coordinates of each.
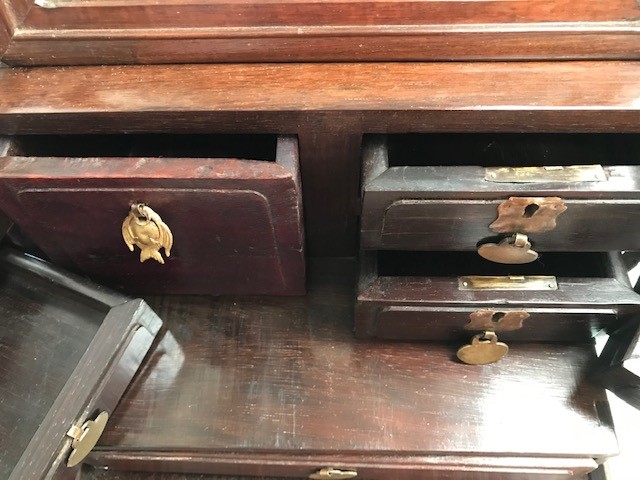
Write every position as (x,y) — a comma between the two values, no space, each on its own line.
(306,30)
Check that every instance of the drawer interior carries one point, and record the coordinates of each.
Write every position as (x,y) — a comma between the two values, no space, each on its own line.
(249,147)
(507,149)
(449,264)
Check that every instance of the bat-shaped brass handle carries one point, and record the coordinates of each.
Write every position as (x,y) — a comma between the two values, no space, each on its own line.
(144,227)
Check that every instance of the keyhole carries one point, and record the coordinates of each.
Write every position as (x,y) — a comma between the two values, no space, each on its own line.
(530,210)
(496,317)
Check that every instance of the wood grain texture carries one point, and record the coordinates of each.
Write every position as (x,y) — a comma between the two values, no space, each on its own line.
(67,353)
(274,386)
(158,32)
(237,224)
(353,97)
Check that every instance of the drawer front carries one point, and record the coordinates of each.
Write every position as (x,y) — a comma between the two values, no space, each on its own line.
(446,224)
(236,224)
(521,303)
(456,207)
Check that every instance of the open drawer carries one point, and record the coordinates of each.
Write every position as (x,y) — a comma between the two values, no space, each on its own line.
(184,214)
(451,296)
(459,191)
(69,349)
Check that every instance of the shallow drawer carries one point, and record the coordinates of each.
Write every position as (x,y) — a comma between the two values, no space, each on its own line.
(232,205)
(451,296)
(458,191)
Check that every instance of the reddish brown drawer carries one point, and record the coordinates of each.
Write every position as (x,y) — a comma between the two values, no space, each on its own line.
(451,296)
(232,205)
(456,191)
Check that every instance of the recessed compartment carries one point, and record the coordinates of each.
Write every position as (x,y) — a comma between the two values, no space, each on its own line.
(205,214)
(565,192)
(450,296)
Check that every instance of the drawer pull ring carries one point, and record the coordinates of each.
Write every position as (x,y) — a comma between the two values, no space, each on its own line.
(333,474)
(144,227)
(483,349)
(515,249)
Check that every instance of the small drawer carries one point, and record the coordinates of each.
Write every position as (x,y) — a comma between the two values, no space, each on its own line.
(450,296)
(208,214)
(459,191)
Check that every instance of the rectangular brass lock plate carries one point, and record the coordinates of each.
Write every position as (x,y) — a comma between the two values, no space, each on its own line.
(562,174)
(499,283)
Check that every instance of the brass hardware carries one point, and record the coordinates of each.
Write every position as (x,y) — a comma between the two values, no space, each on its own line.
(561,174)
(496,320)
(85,438)
(498,283)
(483,349)
(144,227)
(528,214)
(515,249)
(333,474)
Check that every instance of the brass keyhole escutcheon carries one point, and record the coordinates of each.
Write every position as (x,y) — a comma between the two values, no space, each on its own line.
(85,438)
(144,228)
(483,349)
(514,250)
(496,321)
(333,474)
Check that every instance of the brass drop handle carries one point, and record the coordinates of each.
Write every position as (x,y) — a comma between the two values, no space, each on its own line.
(333,474)
(515,249)
(85,438)
(483,349)
(144,228)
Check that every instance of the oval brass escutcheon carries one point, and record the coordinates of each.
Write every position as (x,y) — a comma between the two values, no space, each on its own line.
(515,249)
(483,349)
(85,438)
(333,474)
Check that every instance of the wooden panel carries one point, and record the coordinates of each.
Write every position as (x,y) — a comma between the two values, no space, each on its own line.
(331,179)
(69,350)
(413,296)
(89,32)
(377,467)
(586,225)
(440,323)
(240,385)
(352,97)
(237,224)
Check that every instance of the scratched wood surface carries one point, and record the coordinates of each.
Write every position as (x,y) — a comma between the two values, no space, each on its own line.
(274,386)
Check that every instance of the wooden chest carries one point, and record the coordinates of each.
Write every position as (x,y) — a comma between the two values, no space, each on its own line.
(231,203)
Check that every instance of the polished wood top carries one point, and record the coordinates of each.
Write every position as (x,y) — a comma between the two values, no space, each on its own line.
(273,374)
(359,97)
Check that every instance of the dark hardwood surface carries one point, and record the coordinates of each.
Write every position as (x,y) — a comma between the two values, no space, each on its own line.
(330,106)
(280,386)
(70,32)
